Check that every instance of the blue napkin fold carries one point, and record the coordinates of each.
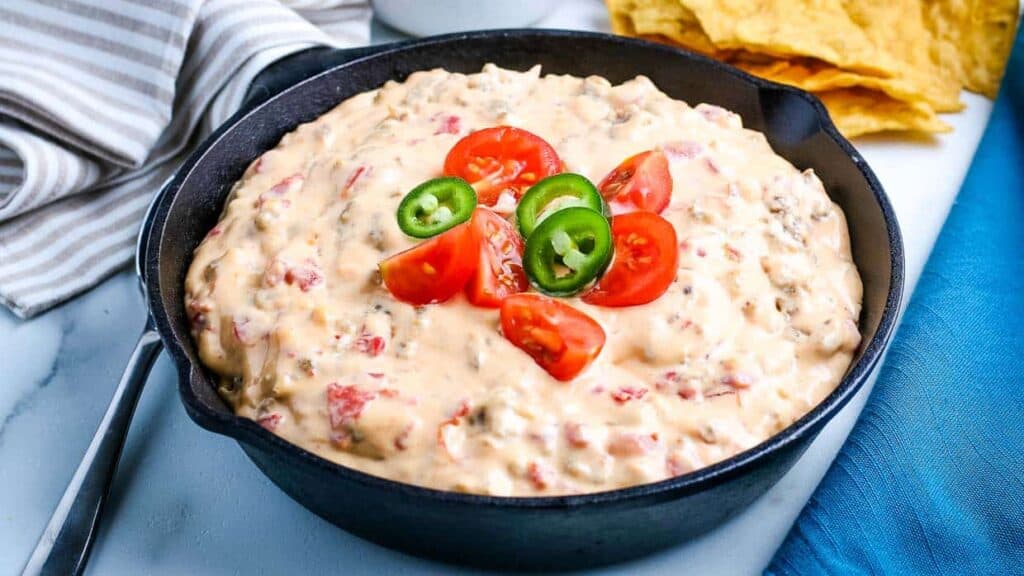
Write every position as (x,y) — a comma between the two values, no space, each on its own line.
(931,480)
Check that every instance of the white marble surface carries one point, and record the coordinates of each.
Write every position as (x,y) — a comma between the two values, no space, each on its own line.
(189,502)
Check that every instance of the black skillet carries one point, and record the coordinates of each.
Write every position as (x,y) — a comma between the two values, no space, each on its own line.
(510,533)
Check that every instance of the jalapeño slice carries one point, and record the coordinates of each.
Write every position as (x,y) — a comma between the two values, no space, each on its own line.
(435,206)
(556,193)
(567,251)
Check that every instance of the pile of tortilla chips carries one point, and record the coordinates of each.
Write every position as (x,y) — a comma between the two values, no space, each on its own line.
(876,64)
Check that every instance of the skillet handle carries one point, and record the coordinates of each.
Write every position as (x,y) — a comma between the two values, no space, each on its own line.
(67,539)
(295,68)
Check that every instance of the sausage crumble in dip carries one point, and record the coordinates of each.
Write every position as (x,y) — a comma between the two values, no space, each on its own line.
(287,306)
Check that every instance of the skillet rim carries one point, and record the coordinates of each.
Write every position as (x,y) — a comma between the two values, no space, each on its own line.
(248,432)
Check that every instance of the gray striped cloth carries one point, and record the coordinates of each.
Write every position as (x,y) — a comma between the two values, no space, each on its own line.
(100,100)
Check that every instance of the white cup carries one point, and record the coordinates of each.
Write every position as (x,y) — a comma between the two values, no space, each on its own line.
(429,17)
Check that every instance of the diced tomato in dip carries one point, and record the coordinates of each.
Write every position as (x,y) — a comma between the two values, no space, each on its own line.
(346,403)
(729,308)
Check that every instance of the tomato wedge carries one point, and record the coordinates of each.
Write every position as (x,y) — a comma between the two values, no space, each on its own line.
(499,271)
(560,338)
(641,182)
(644,264)
(501,158)
(433,271)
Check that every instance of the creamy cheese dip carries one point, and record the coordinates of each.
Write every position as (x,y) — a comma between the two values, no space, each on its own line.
(288,309)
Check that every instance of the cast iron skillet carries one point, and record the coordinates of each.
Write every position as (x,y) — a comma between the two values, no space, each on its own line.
(543,532)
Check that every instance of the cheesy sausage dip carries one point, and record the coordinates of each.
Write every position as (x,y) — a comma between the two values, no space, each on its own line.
(513,284)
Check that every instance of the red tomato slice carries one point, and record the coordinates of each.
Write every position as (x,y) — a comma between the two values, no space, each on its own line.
(433,271)
(560,338)
(645,261)
(641,182)
(501,158)
(499,271)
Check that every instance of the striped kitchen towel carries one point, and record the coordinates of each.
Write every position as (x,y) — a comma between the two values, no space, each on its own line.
(100,101)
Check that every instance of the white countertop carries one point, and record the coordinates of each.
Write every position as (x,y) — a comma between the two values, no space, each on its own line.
(189,502)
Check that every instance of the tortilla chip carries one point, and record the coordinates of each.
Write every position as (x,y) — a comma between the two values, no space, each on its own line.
(897,28)
(619,16)
(816,76)
(975,36)
(908,59)
(792,28)
(667,18)
(857,111)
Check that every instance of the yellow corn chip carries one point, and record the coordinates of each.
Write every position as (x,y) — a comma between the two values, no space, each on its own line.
(792,28)
(666,18)
(975,36)
(877,64)
(897,29)
(857,111)
(818,77)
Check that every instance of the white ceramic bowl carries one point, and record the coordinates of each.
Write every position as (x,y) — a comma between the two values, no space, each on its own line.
(429,17)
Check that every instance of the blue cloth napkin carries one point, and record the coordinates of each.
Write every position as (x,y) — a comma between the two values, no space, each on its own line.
(931,480)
